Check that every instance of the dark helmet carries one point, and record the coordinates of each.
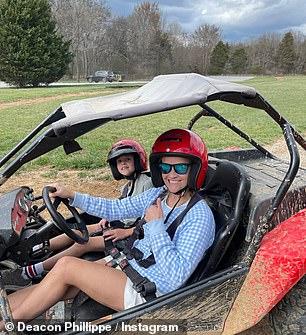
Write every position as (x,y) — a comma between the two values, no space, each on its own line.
(126,147)
(182,143)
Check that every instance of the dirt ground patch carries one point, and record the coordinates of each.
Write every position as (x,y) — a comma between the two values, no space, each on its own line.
(96,182)
(279,149)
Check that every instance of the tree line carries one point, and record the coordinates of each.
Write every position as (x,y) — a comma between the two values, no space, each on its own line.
(78,37)
(143,44)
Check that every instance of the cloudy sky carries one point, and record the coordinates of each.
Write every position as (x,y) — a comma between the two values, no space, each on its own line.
(239,20)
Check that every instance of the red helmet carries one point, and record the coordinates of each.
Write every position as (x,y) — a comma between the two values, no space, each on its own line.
(182,143)
(126,147)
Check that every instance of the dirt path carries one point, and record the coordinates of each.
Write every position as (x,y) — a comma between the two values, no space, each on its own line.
(24,102)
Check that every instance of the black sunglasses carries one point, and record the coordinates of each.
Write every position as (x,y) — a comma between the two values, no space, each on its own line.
(180,168)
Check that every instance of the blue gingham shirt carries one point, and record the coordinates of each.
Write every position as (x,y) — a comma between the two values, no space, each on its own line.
(176,259)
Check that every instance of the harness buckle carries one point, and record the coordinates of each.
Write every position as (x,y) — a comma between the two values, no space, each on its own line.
(124,263)
(112,263)
(114,252)
(141,284)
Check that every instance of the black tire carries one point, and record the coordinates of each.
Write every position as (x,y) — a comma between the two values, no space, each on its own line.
(288,317)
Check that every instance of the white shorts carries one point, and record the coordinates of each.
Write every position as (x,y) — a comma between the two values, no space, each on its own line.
(131,296)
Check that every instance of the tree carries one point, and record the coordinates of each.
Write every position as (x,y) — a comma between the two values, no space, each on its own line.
(239,60)
(285,54)
(300,52)
(85,24)
(146,39)
(179,48)
(219,58)
(117,37)
(31,52)
(161,52)
(205,38)
(262,53)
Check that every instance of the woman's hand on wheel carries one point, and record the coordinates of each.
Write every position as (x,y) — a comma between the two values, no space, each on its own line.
(62,192)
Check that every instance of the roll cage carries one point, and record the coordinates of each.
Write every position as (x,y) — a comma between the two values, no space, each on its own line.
(163,93)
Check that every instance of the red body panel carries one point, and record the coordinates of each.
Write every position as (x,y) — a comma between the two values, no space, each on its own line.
(279,264)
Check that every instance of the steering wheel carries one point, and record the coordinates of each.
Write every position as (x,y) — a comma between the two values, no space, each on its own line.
(59,219)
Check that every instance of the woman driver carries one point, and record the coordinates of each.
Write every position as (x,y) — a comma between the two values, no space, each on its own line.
(178,164)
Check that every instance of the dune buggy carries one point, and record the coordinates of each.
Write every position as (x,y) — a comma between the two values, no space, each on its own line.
(257,263)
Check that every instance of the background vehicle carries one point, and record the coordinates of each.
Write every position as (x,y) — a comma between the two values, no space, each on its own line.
(104,76)
(258,200)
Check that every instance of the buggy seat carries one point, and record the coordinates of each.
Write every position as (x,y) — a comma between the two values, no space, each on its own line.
(226,193)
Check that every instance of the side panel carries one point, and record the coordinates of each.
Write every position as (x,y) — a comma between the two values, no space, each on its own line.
(201,307)
(205,310)
(279,264)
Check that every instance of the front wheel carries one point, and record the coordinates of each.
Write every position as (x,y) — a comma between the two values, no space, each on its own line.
(288,317)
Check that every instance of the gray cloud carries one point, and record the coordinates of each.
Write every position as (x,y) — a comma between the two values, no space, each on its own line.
(238,19)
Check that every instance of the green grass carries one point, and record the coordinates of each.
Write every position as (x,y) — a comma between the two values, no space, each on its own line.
(286,95)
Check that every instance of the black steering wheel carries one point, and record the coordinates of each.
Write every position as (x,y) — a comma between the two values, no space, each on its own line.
(59,219)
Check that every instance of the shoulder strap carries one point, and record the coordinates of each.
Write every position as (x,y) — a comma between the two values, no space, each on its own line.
(124,192)
(132,188)
(174,225)
(147,173)
(137,254)
(138,230)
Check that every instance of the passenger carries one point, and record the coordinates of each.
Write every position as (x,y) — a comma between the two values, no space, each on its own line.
(127,160)
(178,164)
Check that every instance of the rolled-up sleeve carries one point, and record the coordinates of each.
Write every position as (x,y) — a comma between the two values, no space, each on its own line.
(154,227)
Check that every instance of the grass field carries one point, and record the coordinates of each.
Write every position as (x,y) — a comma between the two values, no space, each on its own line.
(22,109)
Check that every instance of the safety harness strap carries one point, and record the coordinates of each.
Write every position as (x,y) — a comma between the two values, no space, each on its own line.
(142,285)
(133,252)
(137,233)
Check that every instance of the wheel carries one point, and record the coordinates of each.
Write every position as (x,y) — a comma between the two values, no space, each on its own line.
(89,79)
(59,220)
(288,317)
